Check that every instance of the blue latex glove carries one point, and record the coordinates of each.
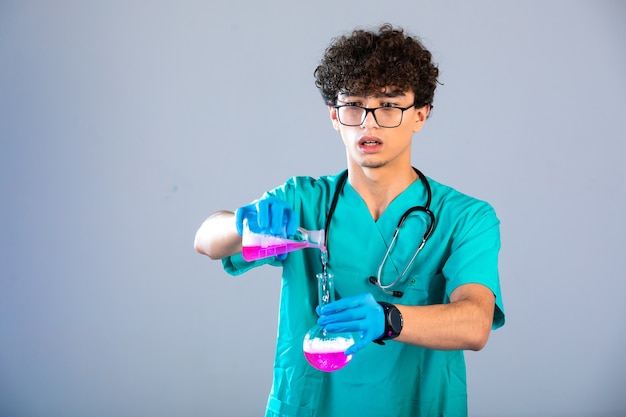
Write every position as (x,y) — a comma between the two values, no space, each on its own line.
(271,216)
(359,314)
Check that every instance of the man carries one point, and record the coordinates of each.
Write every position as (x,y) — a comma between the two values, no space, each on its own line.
(423,303)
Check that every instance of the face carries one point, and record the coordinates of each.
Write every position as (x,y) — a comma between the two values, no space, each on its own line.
(370,146)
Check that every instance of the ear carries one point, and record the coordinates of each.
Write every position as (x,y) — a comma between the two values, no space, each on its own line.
(333,117)
(421,115)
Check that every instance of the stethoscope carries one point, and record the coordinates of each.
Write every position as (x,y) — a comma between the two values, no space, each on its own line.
(376,280)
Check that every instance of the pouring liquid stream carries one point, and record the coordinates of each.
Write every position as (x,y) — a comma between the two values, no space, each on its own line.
(324,258)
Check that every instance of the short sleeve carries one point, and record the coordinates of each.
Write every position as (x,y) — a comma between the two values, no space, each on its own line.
(474,254)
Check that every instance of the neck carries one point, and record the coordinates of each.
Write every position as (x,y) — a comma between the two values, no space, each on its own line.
(378,187)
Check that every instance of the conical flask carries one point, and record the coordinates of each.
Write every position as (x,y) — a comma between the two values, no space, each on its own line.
(322,349)
(258,245)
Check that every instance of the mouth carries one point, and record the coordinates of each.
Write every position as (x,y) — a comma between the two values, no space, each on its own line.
(370,144)
(370,141)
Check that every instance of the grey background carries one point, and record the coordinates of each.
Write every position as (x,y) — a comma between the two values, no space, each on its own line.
(124,124)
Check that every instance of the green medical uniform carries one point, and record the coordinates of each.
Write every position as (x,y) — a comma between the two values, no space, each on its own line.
(396,379)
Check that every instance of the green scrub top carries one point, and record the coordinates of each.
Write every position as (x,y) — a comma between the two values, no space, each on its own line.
(396,379)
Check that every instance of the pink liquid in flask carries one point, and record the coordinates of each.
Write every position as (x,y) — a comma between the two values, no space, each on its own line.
(252,253)
(258,245)
(327,362)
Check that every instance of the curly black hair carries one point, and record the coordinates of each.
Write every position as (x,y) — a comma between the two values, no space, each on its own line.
(366,62)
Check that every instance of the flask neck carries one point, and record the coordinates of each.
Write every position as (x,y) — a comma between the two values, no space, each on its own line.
(325,288)
(313,238)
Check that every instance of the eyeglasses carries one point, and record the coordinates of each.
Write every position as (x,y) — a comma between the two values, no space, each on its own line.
(350,115)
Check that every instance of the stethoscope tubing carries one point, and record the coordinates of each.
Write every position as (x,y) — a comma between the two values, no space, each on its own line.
(429,231)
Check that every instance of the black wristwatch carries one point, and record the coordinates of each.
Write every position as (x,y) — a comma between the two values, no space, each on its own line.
(393,322)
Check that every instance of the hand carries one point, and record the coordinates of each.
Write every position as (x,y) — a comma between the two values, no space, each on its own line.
(269,216)
(360,313)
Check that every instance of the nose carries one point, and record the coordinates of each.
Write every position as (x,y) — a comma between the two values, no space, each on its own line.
(369,121)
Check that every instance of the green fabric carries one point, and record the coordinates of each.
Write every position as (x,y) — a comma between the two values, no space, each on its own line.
(396,379)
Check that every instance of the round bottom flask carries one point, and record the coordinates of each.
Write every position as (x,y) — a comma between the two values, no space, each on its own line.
(322,349)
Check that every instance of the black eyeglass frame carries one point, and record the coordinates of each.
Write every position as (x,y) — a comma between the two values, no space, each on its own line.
(373,111)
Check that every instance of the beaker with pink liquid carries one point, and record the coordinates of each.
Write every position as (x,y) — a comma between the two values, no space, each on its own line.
(261,245)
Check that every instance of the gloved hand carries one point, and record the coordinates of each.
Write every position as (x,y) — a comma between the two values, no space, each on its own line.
(269,215)
(360,313)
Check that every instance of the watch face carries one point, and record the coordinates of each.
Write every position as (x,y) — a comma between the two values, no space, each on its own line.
(395,320)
